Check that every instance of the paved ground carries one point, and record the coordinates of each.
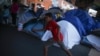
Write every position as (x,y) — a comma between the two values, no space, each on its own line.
(14,43)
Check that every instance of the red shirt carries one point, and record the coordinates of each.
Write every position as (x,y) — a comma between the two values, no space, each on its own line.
(53,27)
(14,8)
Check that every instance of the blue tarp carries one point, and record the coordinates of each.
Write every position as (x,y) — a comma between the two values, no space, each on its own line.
(76,22)
(83,16)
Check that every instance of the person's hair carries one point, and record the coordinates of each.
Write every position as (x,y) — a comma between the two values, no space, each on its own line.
(33,5)
(83,3)
(48,14)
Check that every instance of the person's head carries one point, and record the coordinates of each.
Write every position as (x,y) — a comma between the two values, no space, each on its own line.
(33,5)
(84,4)
(48,17)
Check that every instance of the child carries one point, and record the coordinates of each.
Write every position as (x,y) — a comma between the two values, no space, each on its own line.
(6,14)
(57,36)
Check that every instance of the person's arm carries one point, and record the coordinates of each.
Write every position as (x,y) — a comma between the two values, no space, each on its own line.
(58,34)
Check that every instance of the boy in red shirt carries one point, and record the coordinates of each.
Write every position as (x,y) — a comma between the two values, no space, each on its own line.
(52,26)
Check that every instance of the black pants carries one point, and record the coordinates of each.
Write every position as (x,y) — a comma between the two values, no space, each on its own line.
(14,17)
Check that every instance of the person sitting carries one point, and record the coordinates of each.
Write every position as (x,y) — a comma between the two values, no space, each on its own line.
(39,11)
(32,9)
